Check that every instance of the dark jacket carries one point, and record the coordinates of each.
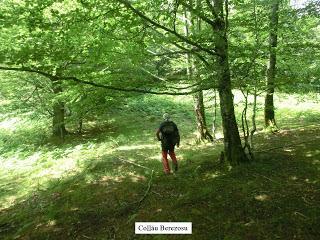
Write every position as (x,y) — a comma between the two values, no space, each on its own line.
(168,134)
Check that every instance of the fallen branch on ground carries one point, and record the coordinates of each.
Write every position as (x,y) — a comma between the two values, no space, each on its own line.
(149,183)
(148,189)
(135,164)
(259,175)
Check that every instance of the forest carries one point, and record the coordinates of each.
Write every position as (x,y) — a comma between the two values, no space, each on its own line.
(85,85)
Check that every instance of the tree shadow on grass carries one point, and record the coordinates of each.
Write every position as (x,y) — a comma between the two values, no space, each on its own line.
(100,201)
(71,207)
(268,199)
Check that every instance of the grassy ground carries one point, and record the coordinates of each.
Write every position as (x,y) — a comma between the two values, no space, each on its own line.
(93,186)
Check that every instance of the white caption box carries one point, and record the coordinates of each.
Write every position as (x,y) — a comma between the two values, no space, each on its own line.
(163,228)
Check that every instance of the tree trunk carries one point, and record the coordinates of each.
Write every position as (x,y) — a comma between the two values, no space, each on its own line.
(233,150)
(214,120)
(201,118)
(192,71)
(58,124)
(269,114)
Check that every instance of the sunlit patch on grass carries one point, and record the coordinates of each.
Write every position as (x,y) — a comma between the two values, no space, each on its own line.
(10,124)
(74,209)
(107,179)
(312,153)
(316,162)
(41,167)
(293,178)
(8,201)
(155,157)
(250,223)
(136,147)
(136,178)
(51,223)
(288,149)
(211,175)
(262,197)
(89,179)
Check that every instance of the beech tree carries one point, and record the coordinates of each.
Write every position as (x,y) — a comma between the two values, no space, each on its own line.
(269,113)
(215,54)
(127,47)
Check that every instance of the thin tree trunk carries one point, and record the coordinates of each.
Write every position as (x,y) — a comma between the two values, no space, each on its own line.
(201,119)
(254,107)
(80,124)
(233,150)
(203,133)
(269,114)
(58,123)
(245,125)
(254,112)
(214,120)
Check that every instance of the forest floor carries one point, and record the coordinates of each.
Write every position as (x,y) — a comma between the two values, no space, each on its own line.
(97,187)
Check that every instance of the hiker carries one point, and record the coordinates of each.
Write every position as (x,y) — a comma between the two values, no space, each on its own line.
(168,134)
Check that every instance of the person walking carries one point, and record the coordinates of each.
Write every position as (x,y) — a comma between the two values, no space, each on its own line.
(169,136)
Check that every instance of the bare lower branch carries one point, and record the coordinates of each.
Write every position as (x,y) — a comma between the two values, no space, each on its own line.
(109,87)
(136,90)
(24,69)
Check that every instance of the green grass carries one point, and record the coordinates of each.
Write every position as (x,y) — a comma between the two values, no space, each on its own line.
(86,187)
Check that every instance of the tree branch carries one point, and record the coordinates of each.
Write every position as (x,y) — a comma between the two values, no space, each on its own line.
(109,87)
(128,5)
(198,14)
(137,90)
(24,69)
(193,51)
(209,4)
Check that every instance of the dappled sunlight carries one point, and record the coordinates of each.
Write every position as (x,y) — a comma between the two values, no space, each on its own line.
(6,202)
(316,162)
(74,209)
(86,87)
(156,157)
(293,178)
(107,179)
(10,124)
(137,147)
(43,166)
(288,149)
(312,153)
(212,175)
(262,197)
(307,180)
(16,163)
(51,222)
(136,177)
(300,106)
(196,147)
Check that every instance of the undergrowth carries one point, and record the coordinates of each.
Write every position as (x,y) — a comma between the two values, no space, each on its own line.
(91,186)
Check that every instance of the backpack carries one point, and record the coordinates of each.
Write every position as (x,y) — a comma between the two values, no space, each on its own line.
(168,129)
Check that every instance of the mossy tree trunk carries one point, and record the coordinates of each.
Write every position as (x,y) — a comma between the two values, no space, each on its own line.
(58,120)
(269,113)
(202,129)
(201,118)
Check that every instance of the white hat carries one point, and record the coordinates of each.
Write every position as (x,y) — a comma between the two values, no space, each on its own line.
(166,116)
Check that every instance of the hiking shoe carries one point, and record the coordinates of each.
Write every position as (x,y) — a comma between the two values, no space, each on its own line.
(175,167)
